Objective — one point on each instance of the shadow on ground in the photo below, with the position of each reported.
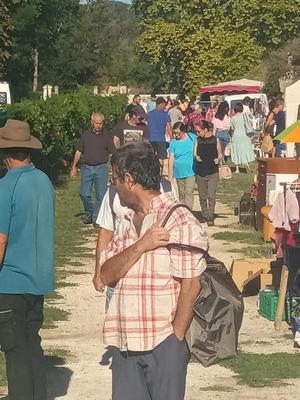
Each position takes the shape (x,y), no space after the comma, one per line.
(58,377)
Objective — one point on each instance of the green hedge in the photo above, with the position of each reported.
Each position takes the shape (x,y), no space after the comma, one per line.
(58,122)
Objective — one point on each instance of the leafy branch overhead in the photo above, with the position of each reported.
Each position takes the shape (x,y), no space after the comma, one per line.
(199,42)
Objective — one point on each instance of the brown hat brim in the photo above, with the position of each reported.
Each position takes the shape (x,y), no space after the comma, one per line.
(33,143)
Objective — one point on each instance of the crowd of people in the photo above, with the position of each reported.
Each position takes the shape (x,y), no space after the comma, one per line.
(192,140)
(150,285)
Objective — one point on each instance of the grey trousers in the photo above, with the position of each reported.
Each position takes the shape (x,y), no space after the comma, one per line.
(207,188)
(159,374)
(186,188)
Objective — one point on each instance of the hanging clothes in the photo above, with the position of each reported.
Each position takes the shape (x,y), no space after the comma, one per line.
(285,211)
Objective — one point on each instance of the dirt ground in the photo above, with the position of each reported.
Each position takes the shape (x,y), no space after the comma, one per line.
(86,374)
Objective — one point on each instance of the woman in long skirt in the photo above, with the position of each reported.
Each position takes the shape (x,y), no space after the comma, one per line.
(241,147)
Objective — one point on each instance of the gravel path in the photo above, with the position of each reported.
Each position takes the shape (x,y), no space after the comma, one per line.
(86,374)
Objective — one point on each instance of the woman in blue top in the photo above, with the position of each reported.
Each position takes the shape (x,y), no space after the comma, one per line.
(181,163)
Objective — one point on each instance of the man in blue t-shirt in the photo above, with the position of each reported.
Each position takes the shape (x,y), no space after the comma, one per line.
(159,124)
(26,261)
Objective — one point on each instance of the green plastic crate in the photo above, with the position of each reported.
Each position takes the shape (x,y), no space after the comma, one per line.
(268,301)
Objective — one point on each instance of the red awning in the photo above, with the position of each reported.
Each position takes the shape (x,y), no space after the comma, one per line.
(230,89)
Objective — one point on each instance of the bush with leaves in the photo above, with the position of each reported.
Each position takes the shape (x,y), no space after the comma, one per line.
(59,121)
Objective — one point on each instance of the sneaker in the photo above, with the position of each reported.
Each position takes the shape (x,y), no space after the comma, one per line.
(210,223)
(96,226)
(86,219)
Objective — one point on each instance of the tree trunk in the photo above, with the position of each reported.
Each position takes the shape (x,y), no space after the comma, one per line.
(36,70)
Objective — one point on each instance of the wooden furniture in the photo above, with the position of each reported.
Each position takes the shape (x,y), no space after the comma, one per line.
(274,165)
(281,299)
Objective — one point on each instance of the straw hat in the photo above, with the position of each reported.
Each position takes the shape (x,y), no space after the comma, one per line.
(17,134)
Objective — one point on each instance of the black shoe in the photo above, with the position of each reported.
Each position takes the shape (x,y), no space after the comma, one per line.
(96,226)
(86,219)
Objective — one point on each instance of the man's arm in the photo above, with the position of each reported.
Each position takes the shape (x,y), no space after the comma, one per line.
(3,243)
(117,266)
(117,142)
(190,289)
(169,130)
(104,237)
(75,162)
(171,166)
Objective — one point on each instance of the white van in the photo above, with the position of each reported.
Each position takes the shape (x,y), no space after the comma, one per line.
(259,97)
(5,97)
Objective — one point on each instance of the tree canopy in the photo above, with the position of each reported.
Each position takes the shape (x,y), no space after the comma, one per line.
(77,44)
(195,42)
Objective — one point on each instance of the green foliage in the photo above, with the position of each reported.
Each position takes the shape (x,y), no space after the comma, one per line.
(5,28)
(5,32)
(259,370)
(38,24)
(78,44)
(206,41)
(58,122)
(276,66)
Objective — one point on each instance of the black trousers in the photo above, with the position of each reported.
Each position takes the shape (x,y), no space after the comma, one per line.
(21,317)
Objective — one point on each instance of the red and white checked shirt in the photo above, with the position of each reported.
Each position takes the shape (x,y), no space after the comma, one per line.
(144,302)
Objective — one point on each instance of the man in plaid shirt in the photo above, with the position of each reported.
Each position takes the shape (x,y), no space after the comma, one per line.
(154,286)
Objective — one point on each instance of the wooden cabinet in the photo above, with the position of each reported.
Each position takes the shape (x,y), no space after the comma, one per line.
(273,166)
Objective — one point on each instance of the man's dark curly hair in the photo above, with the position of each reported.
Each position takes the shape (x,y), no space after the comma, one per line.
(140,161)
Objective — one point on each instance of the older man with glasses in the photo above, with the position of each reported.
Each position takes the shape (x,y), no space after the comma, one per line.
(155,286)
(94,147)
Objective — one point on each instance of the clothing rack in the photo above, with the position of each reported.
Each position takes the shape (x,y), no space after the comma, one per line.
(285,285)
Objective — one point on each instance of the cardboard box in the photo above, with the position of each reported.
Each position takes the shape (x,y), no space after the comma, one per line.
(242,269)
(256,282)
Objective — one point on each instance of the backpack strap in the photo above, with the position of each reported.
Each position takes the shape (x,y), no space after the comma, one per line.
(181,246)
(167,217)
(111,196)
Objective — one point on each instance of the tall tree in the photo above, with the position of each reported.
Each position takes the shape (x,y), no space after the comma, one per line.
(37,26)
(194,42)
(6,28)
(100,49)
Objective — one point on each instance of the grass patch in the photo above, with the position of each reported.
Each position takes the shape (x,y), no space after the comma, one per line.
(237,227)
(264,251)
(259,370)
(77,272)
(230,191)
(2,370)
(76,264)
(250,237)
(53,296)
(217,388)
(70,233)
(62,284)
(54,314)
(59,352)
